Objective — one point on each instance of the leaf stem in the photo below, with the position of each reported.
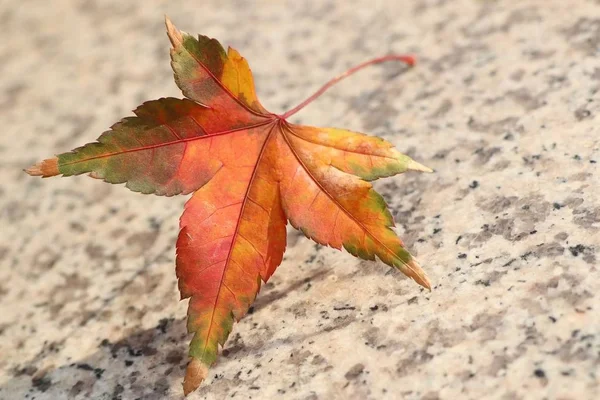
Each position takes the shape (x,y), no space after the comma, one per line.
(409,60)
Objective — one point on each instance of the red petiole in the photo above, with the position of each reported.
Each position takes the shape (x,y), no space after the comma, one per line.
(408,60)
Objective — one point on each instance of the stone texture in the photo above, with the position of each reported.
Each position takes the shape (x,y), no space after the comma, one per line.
(503,104)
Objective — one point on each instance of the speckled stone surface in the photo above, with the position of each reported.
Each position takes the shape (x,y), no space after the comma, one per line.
(503,104)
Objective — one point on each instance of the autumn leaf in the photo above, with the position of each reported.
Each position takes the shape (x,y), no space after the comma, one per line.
(250,171)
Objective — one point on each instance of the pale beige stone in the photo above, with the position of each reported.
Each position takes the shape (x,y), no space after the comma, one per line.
(503,104)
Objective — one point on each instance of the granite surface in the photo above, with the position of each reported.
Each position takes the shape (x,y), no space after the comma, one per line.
(503,104)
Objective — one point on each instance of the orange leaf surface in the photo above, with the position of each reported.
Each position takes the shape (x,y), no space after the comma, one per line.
(250,171)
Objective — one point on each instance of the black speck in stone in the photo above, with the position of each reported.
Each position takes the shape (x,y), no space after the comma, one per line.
(154,223)
(576,250)
(42,384)
(539,373)
(162,325)
(575,333)
(582,113)
(344,308)
(85,367)
(117,392)
(474,185)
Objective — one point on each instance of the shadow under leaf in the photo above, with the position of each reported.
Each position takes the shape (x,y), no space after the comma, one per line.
(148,364)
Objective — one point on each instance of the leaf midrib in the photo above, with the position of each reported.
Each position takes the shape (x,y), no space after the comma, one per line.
(235,236)
(338,148)
(154,146)
(222,86)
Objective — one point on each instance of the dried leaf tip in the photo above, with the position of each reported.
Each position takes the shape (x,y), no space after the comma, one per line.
(425,282)
(45,168)
(196,372)
(173,33)
(417,273)
(415,166)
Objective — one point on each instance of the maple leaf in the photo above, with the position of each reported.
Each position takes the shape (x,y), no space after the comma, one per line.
(250,171)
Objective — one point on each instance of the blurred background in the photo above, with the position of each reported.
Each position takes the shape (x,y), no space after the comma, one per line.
(503,104)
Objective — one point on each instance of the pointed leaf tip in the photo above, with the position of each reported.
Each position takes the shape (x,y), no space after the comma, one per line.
(415,166)
(426,283)
(173,33)
(196,373)
(418,275)
(45,168)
